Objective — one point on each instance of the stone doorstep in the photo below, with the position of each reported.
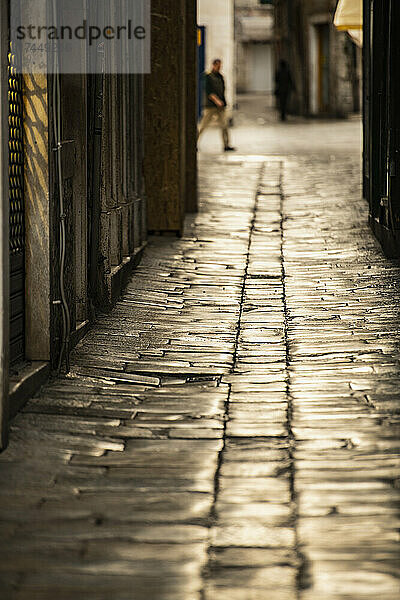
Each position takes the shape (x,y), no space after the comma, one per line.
(26,384)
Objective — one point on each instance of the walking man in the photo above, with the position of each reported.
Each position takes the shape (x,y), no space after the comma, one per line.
(215,104)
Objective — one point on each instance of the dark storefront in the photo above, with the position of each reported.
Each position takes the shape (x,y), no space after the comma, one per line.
(382,120)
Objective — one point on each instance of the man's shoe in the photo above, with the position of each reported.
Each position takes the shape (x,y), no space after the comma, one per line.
(229,149)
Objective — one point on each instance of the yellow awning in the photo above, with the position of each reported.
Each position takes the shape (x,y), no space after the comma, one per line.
(357,36)
(349,15)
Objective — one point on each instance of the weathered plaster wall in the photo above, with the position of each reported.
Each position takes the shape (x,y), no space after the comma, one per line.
(37,219)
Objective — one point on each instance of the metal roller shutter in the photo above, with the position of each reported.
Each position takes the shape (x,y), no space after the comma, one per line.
(17,229)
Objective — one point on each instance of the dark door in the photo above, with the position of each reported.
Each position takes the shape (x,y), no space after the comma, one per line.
(366,97)
(378,109)
(95,121)
(323,68)
(393,138)
(382,122)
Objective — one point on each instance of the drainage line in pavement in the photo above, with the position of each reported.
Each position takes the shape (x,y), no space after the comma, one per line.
(301,560)
(213,510)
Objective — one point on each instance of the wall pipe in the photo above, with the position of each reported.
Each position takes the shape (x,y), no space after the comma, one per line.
(56,93)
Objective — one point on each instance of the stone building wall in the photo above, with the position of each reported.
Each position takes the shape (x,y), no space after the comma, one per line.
(303,27)
(254,50)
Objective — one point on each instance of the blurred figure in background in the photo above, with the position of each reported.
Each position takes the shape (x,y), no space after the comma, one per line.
(215,103)
(284,86)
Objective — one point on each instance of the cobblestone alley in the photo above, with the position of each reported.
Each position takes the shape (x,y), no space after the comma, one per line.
(231,430)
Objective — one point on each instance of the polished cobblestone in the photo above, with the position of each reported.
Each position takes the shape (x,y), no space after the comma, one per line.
(231,429)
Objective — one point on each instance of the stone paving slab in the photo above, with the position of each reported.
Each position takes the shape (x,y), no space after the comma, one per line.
(231,429)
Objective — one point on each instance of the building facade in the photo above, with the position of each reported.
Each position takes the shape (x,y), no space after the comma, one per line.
(325,63)
(254,47)
(89,164)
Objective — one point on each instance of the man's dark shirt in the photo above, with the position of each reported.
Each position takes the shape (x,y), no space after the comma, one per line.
(215,84)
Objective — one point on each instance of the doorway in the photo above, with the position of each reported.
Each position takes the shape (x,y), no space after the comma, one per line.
(260,68)
(323,67)
(319,68)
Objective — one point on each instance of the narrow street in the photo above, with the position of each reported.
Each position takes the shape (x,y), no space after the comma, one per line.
(231,430)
